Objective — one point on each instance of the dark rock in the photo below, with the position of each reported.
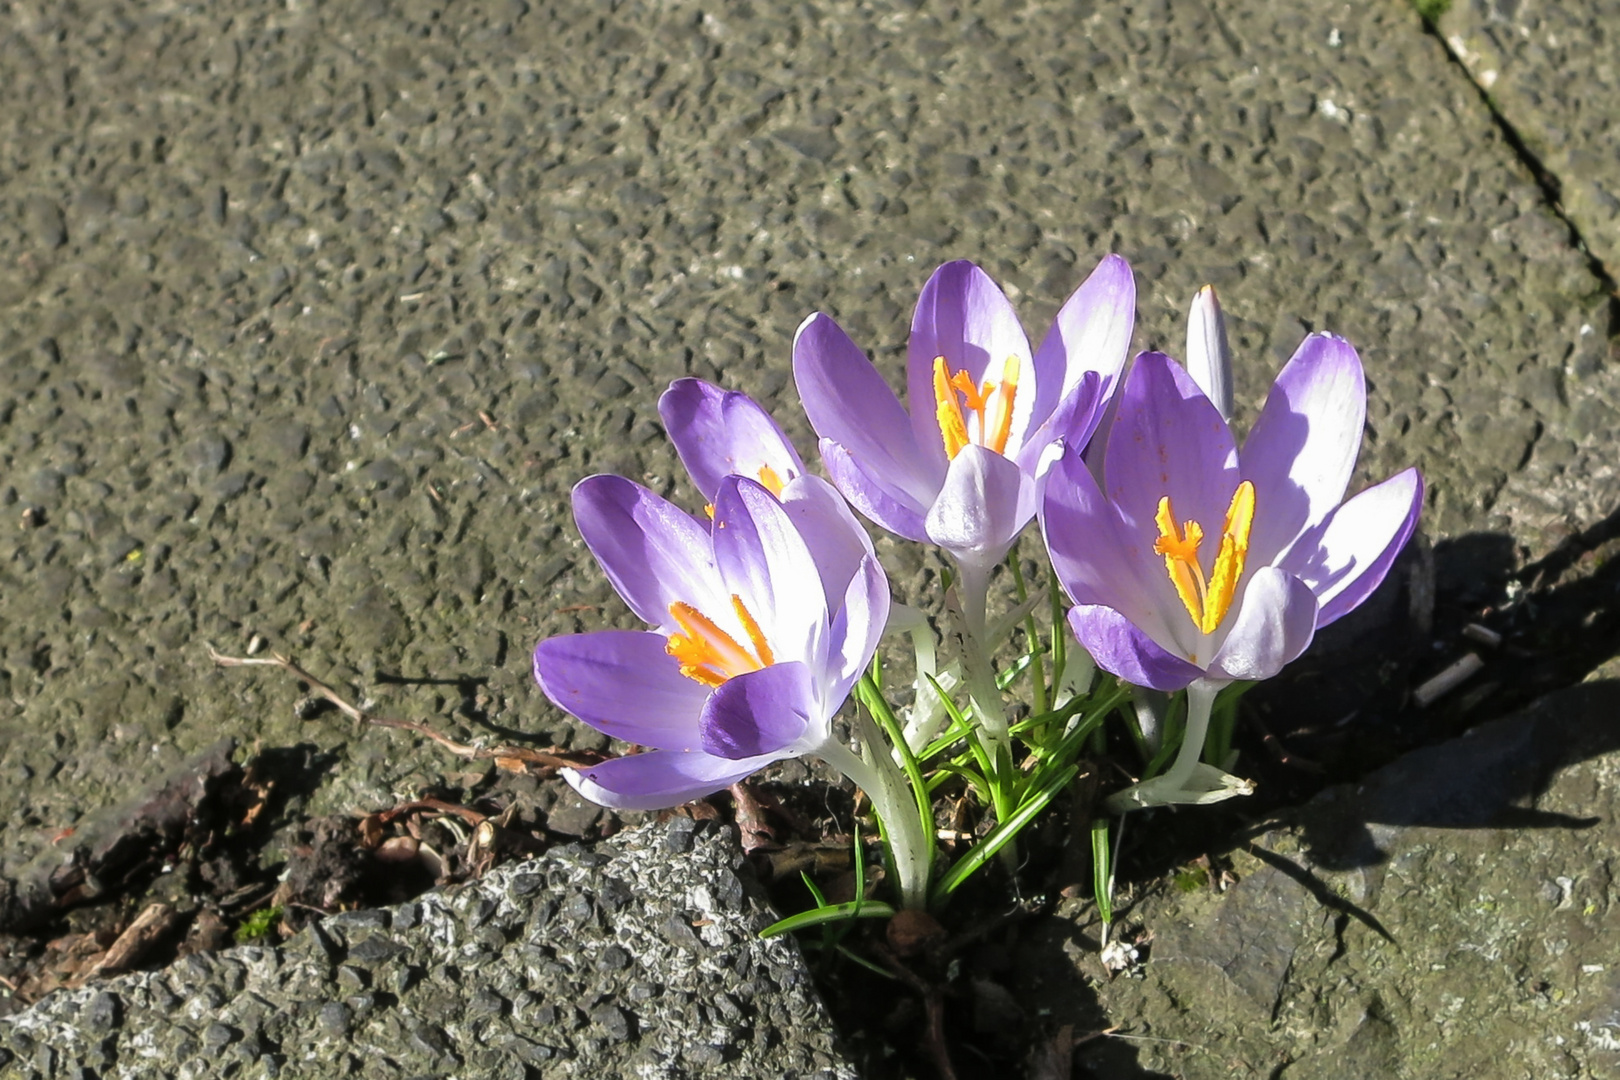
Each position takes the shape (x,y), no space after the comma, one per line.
(613,1021)
(335,1017)
(103,1012)
(453,997)
(678,834)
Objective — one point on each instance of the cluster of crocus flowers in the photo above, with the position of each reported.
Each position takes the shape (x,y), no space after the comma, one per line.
(748,656)
(1190,562)
(960,466)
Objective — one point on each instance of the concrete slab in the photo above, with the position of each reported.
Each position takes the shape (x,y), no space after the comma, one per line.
(313,314)
(1553,70)
(317,312)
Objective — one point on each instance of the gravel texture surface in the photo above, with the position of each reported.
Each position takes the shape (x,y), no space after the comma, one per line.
(640,958)
(1450,916)
(318,311)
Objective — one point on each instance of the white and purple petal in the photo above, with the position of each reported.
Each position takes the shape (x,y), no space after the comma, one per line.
(652,551)
(1167,439)
(1347,558)
(848,402)
(836,540)
(985,503)
(765,562)
(857,627)
(879,502)
(964,316)
(1073,422)
(1122,649)
(622,683)
(1091,333)
(1209,355)
(759,713)
(1302,449)
(661,778)
(1099,561)
(721,432)
(1274,622)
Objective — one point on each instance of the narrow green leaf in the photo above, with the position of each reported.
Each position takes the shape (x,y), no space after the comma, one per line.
(821,901)
(879,708)
(952,735)
(1102,871)
(851,954)
(1032,642)
(1008,675)
(1000,836)
(851,909)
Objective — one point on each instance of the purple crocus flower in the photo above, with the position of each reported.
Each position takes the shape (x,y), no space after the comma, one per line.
(1159,606)
(1196,563)
(958,468)
(753,645)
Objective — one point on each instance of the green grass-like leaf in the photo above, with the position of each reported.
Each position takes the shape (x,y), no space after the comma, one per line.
(821,916)
(1000,836)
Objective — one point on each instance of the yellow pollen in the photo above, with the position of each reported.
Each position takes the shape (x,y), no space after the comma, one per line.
(991,403)
(709,655)
(1206,600)
(768,477)
(952,426)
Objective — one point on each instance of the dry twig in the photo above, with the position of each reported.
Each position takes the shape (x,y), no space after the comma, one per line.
(151,926)
(511,758)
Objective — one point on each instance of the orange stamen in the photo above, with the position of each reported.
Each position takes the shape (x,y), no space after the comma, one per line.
(992,404)
(952,425)
(756,637)
(1232,557)
(1206,600)
(998,422)
(976,396)
(709,655)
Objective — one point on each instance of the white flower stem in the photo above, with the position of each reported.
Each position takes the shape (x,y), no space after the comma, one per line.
(1188,780)
(926,714)
(973,592)
(875,772)
(1200,701)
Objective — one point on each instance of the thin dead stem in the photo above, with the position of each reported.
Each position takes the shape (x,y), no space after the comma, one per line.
(511,758)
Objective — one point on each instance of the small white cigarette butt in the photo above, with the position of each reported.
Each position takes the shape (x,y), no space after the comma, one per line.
(1482,634)
(1447,681)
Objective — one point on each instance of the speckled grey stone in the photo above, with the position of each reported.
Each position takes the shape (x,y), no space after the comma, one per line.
(1553,70)
(609,998)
